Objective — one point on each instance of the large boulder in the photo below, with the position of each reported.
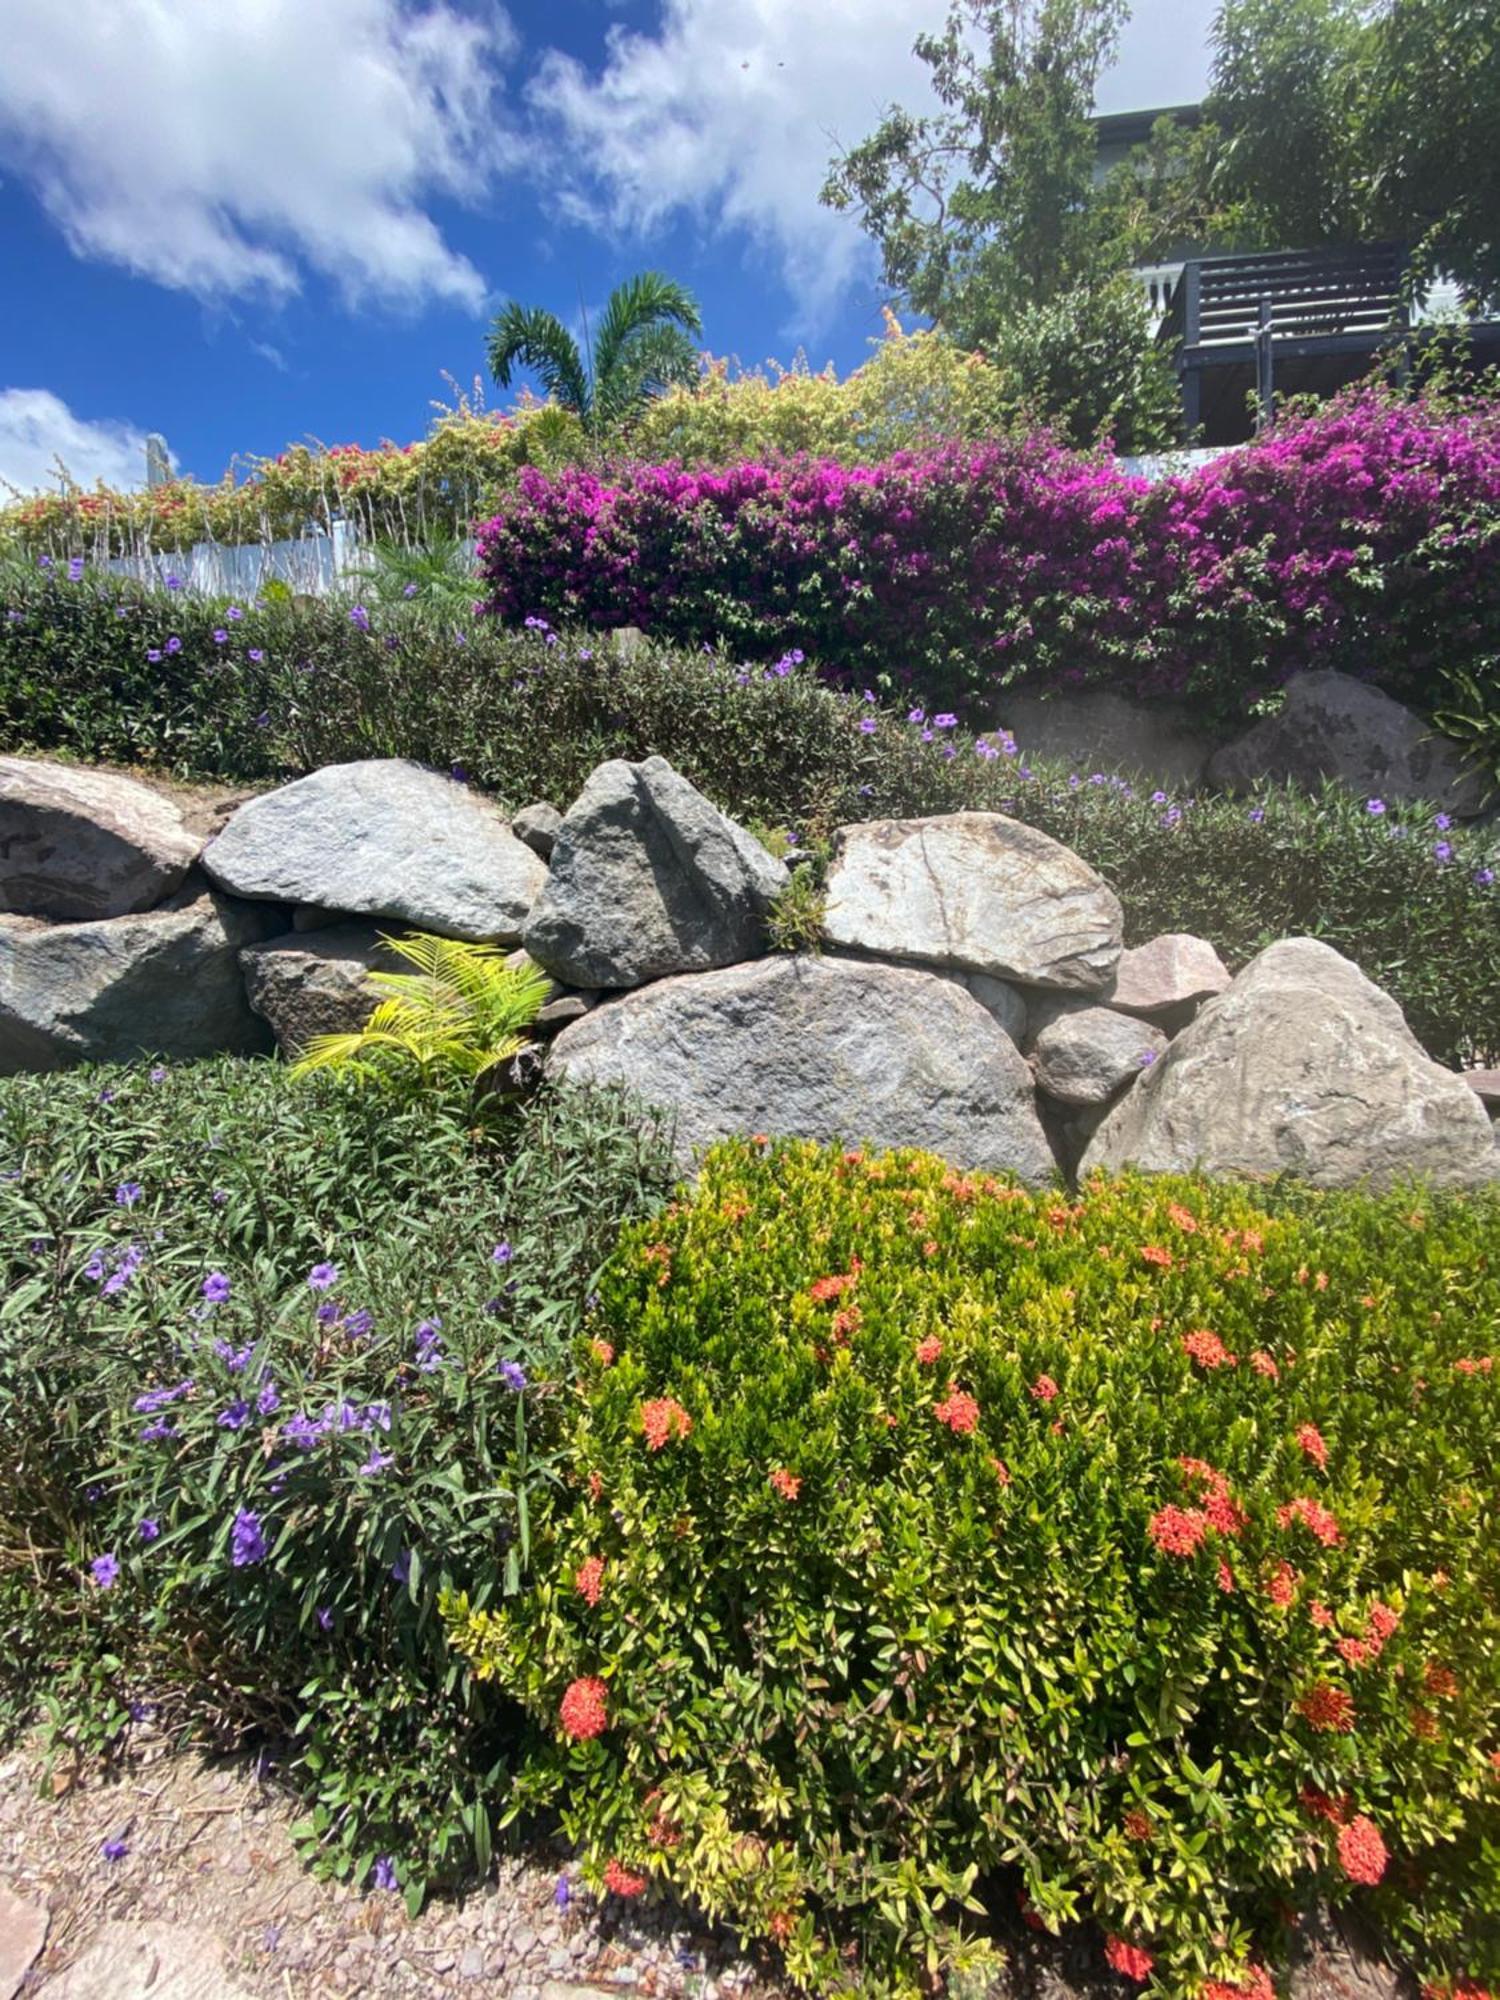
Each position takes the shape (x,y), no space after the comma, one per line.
(1095,730)
(819,1048)
(76,845)
(1090,1054)
(973,892)
(1332,726)
(308,983)
(165,982)
(382,838)
(1301,1067)
(1166,975)
(648,879)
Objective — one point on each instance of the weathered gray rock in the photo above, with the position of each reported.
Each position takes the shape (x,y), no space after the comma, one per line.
(973,892)
(165,982)
(76,845)
(1302,1067)
(308,983)
(649,879)
(568,1006)
(1166,974)
(1485,1084)
(382,838)
(1094,730)
(149,1961)
(819,1048)
(1004,1002)
(23,1932)
(537,825)
(1332,726)
(1090,1054)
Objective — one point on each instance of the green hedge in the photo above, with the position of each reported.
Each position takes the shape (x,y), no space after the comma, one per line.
(930,1549)
(528,715)
(266,1391)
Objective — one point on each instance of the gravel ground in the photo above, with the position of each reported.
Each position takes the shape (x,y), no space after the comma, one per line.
(209,1858)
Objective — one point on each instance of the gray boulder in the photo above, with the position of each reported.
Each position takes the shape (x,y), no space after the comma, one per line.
(1006,1004)
(649,879)
(1095,730)
(76,845)
(1166,975)
(819,1048)
(1090,1054)
(165,982)
(537,825)
(1485,1084)
(973,892)
(308,983)
(382,838)
(1332,726)
(1301,1067)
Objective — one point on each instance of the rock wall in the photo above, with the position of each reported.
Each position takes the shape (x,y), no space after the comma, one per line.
(974,998)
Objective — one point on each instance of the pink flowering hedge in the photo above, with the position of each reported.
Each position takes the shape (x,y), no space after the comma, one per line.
(1365,538)
(934,1557)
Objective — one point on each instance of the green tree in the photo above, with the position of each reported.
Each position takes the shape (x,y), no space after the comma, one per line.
(643,345)
(984,207)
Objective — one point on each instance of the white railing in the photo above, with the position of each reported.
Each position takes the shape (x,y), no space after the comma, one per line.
(1158,282)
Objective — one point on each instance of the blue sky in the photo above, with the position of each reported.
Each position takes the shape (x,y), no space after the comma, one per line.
(246,222)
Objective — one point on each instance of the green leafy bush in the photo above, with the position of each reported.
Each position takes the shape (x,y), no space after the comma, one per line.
(275,1362)
(928,1544)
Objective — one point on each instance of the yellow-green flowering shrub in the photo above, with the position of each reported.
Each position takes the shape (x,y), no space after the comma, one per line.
(933,1552)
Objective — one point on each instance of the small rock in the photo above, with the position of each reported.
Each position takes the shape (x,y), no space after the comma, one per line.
(1166,974)
(158,1961)
(471,1963)
(1485,1084)
(567,1007)
(315,983)
(23,1932)
(1091,1054)
(537,825)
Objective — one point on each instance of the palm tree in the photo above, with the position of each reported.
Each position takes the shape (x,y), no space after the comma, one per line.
(644,346)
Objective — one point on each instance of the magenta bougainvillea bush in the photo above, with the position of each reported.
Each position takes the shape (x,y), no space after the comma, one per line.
(1365,537)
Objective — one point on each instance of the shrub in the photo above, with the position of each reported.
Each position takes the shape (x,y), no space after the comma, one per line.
(926,1545)
(275,1360)
(1365,536)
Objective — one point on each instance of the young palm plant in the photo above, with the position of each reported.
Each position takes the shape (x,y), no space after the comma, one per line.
(462,1011)
(644,346)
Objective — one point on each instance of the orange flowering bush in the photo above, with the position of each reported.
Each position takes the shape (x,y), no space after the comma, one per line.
(1151,1592)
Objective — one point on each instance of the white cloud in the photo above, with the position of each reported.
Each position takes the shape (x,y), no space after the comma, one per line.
(37,429)
(222,146)
(730,114)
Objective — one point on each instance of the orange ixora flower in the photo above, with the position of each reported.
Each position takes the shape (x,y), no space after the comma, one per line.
(787,1484)
(1310,1438)
(1362,1852)
(1178,1531)
(929,1349)
(1131,1959)
(958,1410)
(588,1579)
(662,1420)
(1137,1824)
(1152,1253)
(821,1290)
(1262,1363)
(1327,1708)
(1206,1349)
(779,1924)
(1282,1587)
(1256,1985)
(602,1352)
(1044,1389)
(1001,1470)
(1382,1623)
(1439,1680)
(1317,1520)
(1317,1805)
(620,1881)
(596,1486)
(1183,1218)
(585,1708)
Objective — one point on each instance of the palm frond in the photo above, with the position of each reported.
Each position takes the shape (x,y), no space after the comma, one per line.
(647,300)
(652,360)
(529,337)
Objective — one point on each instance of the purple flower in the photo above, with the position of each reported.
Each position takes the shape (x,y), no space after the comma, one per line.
(153,654)
(268,1402)
(157,1399)
(221,637)
(172,582)
(358,1324)
(383,1874)
(235,1359)
(501,1254)
(235,1417)
(75,569)
(174,644)
(148,1530)
(410,590)
(1442,822)
(1484,877)
(1375,807)
(377,1462)
(234,614)
(401,1567)
(1146,1058)
(458,774)
(303,1430)
(216,1288)
(219,1197)
(127,1194)
(562,1895)
(323,1276)
(325,1617)
(159,1074)
(1442,850)
(114,1849)
(1257,814)
(360,618)
(159,1431)
(868,726)
(513,1375)
(917,715)
(945,722)
(247,1542)
(255,653)
(104,1570)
